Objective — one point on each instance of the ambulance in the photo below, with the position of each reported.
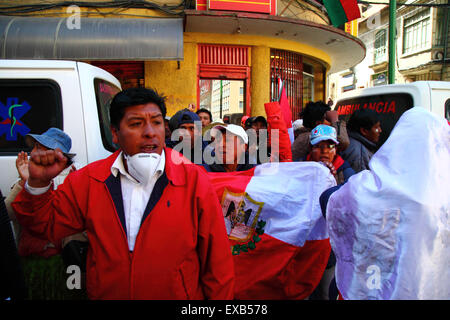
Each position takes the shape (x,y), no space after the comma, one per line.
(38,94)
(391,101)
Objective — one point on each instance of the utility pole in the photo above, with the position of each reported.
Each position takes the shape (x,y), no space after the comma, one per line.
(392,46)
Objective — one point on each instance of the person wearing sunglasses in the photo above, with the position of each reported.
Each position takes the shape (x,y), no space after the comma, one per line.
(323,146)
(323,140)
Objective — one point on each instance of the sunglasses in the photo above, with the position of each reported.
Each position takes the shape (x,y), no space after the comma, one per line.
(330,146)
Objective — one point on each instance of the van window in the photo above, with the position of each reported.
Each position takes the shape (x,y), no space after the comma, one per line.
(389,106)
(104,93)
(447,109)
(27,106)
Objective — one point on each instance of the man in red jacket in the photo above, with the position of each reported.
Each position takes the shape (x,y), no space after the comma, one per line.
(155,228)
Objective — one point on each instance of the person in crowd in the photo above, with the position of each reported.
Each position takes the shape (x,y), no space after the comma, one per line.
(330,102)
(43,264)
(12,282)
(316,113)
(390,218)
(205,116)
(243,120)
(259,125)
(248,123)
(190,143)
(168,132)
(155,228)
(323,140)
(230,149)
(364,128)
(297,126)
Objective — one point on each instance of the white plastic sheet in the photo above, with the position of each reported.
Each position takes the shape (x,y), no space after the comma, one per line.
(389,227)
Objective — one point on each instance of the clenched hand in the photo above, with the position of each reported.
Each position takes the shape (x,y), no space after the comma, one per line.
(44,166)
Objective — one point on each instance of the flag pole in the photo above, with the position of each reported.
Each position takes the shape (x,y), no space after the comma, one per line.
(392,47)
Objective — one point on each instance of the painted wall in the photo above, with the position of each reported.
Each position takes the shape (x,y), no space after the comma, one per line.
(179,84)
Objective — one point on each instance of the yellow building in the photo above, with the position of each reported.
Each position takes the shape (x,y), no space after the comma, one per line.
(173,47)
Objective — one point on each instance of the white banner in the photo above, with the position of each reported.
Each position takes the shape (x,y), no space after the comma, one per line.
(389,227)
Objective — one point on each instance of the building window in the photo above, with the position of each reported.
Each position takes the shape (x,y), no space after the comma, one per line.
(308,87)
(289,67)
(380,47)
(348,88)
(440,34)
(416,32)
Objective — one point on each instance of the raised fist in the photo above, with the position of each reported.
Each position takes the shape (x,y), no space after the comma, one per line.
(44,165)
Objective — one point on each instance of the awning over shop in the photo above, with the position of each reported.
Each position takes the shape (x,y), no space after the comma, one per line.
(91,39)
(344,50)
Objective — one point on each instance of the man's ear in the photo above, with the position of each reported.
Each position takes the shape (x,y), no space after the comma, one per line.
(114,134)
(364,132)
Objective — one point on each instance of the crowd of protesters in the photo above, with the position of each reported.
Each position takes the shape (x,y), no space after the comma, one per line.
(196,246)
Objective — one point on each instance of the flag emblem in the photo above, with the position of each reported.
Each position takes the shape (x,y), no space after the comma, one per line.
(241,214)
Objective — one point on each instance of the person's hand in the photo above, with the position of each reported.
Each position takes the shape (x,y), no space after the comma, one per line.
(22,166)
(332,116)
(191,107)
(44,166)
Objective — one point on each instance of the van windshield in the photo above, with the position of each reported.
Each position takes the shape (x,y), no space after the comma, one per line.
(389,106)
(104,93)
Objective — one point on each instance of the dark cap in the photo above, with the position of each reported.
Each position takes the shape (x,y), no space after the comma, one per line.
(181,117)
(249,121)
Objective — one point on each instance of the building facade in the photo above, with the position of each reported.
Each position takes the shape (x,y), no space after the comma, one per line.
(177,47)
(422,46)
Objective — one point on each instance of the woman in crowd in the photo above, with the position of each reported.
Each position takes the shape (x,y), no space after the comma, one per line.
(323,140)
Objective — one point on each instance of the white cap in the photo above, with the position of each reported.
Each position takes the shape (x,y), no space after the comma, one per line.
(297,124)
(234,129)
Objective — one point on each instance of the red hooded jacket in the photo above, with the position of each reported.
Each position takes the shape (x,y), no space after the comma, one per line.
(181,250)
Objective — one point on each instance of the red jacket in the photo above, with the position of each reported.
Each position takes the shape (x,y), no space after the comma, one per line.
(181,251)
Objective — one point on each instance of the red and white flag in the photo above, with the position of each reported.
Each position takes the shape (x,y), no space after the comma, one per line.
(277,233)
(286,109)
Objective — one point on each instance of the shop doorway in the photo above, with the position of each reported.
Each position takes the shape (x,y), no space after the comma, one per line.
(224,81)
(223,98)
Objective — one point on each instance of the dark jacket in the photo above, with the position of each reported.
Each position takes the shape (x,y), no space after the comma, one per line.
(358,152)
(12,283)
(220,168)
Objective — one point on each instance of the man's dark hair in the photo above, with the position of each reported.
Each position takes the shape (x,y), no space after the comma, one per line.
(133,97)
(205,111)
(260,119)
(362,118)
(313,112)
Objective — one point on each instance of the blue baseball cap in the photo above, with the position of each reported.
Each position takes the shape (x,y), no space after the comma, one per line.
(322,133)
(53,138)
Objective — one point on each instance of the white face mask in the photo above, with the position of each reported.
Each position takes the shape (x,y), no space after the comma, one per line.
(142,166)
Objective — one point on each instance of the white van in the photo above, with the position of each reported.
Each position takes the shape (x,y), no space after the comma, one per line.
(390,101)
(38,94)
